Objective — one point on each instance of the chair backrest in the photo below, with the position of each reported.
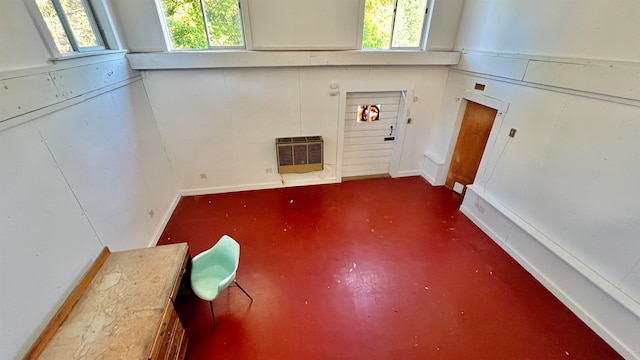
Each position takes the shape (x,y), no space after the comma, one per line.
(226,253)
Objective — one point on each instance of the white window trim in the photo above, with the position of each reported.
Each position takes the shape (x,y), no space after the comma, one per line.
(246,24)
(75,55)
(166,35)
(423,34)
(103,16)
(361,24)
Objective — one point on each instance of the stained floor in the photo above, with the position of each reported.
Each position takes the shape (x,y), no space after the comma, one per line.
(368,269)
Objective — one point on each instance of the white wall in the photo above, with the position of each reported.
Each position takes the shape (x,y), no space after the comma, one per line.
(73,181)
(442,24)
(223,122)
(21,45)
(568,171)
(564,188)
(590,29)
(82,164)
(139,25)
(560,196)
(305,24)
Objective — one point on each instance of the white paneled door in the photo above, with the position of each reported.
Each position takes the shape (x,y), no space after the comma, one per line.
(368,145)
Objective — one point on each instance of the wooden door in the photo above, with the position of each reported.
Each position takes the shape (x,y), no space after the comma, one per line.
(368,145)
(472,139)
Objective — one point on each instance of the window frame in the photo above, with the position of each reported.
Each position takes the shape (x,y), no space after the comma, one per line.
(423,31)
(100,19)
(244,25)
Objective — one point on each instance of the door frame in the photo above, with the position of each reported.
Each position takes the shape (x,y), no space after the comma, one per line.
(406,91)
(463,98)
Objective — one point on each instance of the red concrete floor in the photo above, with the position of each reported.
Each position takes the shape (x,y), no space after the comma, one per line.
(369,269)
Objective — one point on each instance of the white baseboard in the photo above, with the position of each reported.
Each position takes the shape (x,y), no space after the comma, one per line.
(165,221)
(258,186)
(408,173)
(611,313)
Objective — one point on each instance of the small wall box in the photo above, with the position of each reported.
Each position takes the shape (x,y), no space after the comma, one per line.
(300,154)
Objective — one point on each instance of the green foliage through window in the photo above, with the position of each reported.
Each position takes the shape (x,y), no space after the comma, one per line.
(186,23)
(71,25)
(393,24)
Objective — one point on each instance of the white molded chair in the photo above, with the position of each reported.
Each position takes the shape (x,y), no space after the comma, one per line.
(215,269)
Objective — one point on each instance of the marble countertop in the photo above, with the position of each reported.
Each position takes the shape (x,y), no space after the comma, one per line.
(119,314)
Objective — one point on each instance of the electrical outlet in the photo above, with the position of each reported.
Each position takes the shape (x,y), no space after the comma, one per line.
(512,132)
(269,170)
(151,213)
(203,176)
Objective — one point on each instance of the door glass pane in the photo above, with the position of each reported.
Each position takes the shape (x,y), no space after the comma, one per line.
(55,26)
(185,23)
(378,19)
(367,113)
(410,16)
(224,23)
(81,26)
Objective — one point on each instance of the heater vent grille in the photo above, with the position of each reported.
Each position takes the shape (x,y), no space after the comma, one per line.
(299,154)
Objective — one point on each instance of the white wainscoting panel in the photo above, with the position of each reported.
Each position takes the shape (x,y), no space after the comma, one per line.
(432,168)
(613,80)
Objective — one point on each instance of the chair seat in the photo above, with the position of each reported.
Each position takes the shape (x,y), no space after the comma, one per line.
(206,283)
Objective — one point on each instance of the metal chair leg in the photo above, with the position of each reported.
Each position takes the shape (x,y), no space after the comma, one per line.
(238,285)
(212,315)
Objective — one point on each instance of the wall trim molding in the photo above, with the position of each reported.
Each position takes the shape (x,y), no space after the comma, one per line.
(605,80)
(407,173)
(21,119)
(610,312)
(67,63)
(243,58)
(52,89)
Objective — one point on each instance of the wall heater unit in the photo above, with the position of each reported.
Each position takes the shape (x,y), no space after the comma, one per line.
(300,154)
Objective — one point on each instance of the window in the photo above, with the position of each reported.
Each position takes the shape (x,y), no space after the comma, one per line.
(72,25)
(393,24)
(204,24)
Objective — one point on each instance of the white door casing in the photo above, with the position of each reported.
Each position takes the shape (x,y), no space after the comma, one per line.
(348,142)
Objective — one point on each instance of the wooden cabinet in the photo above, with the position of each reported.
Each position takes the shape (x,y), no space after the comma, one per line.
(122,309)
(171,341)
